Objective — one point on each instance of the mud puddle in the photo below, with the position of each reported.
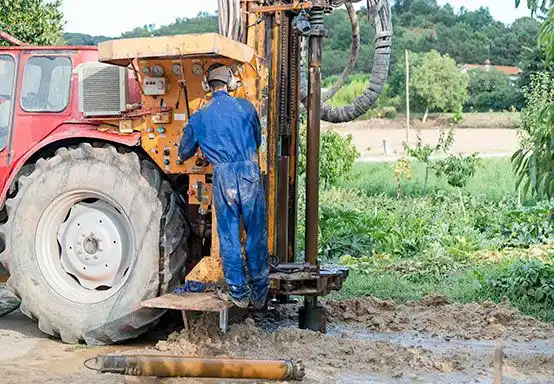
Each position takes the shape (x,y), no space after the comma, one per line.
(368,341)
(433,342)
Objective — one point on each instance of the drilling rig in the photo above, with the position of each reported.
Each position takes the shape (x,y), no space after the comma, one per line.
(99,214)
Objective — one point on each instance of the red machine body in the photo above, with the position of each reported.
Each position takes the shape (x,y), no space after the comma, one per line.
(31,132)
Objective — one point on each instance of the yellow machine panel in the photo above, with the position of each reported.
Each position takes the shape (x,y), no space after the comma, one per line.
(171,72)
(174,89)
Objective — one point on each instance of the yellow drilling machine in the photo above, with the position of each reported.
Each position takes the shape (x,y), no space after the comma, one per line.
(101,220)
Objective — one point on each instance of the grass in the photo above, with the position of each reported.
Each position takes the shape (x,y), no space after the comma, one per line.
(493,181)
(404,249)
(461,288)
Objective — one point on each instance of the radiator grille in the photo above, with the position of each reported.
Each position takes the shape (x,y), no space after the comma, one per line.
(102,89)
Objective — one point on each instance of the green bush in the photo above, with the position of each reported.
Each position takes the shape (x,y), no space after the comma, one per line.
(526,226)
(385,107)
(492,91)
(457,170)
(534,161)
(336,159)
(529,281)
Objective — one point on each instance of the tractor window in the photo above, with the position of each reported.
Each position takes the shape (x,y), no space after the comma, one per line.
(7,71)
(46,84)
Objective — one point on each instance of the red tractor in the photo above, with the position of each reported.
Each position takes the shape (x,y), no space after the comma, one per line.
(67,230)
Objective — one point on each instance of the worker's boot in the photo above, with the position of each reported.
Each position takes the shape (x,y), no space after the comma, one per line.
(260,305)
(226,296)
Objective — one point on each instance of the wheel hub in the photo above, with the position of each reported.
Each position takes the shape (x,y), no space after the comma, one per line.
(91,244)
(92,240)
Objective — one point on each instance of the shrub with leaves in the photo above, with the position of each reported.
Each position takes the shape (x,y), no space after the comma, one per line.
(526,226)
(458,170)
(530,281)
(423,152)
(534,161)
(32,21)
(336,157)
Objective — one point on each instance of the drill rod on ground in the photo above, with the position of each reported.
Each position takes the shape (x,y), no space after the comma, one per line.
(178,366)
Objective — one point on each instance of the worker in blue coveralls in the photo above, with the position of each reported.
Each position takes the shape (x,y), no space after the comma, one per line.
(228,132)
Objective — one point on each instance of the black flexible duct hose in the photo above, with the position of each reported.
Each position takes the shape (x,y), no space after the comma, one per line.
(380,11)
(354,53)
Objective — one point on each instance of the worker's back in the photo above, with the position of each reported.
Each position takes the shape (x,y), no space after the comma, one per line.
(227,129)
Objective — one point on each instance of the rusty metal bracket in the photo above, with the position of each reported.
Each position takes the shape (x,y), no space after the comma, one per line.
(296,6)
(302,279)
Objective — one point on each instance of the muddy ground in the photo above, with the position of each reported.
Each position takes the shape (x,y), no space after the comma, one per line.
(368,341)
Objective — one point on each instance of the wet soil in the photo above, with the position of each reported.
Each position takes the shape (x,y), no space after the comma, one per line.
(368,341)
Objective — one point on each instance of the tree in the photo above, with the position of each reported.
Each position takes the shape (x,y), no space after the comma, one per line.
(438,83)
(33,21)
(535,165)
(492,91)
(83,39)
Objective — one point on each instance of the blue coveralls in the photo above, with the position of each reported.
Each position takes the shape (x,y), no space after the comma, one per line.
(229,133)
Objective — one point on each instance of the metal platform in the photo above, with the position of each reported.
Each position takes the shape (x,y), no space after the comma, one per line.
(193,302)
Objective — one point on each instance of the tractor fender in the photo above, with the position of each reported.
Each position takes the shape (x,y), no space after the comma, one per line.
(64,133)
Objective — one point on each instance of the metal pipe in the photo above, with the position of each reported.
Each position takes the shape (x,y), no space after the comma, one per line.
(178,366)
(283,210)
(313,136)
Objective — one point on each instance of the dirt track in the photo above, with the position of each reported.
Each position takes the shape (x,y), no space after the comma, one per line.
(368,136)
(368,341)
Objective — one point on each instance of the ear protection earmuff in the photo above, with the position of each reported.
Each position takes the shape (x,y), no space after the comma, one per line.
(205,84)
(233,85)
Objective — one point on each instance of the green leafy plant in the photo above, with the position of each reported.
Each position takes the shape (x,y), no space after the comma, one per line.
(530,281)
(526,226)
(402,171)
(336,159)
(423,152)
(534,161)
(32,21)
(458,114)
(457,170)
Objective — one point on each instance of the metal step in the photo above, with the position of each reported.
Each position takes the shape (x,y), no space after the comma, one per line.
(193,302)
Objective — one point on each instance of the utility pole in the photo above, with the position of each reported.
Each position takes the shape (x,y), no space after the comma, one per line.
(407,97)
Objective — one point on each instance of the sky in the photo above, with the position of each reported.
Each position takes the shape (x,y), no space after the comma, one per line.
(113,17)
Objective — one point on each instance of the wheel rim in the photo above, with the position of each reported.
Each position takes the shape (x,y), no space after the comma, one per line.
(85,246)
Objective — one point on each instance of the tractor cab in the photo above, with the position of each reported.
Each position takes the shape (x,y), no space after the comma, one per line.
(38,94)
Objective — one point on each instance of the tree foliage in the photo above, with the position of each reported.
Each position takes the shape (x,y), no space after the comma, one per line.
(32,21)
(437,82)
(83,39)
(534,162)
(337,156)
(492,91)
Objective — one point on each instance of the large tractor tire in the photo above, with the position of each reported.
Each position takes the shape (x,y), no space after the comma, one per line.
(91,233)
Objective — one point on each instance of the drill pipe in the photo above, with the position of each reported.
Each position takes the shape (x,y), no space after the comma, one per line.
(178,366)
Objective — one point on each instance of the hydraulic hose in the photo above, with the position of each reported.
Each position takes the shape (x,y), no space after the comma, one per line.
(354,53)
(199,367)
(230,25)
(230,19)
(381,12)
